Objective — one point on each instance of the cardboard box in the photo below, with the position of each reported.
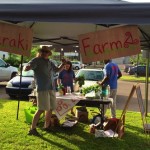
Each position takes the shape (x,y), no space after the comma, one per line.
(82,115)
(54,121)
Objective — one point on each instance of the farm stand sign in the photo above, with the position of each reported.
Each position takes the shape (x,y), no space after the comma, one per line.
(110,43)
(15,39)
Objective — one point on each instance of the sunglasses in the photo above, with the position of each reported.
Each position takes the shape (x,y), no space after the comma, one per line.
(43,51)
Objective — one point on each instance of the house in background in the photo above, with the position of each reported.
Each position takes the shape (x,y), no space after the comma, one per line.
(122,60)
(3,55)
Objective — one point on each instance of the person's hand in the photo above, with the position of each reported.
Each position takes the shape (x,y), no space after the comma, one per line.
(99,83)
(27,68)
(63,61)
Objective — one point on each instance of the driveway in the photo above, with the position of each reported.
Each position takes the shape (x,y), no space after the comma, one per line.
(124,89)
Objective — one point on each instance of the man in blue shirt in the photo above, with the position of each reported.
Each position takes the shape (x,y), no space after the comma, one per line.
(112,74)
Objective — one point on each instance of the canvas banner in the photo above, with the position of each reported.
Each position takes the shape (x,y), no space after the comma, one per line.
(15,39)
(63,106)
(108,44)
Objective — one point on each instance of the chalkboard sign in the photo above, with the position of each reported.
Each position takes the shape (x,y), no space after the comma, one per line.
(140,100)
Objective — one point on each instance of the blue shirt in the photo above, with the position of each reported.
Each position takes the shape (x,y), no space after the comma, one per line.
(67,78)
(44,71)
(111,71)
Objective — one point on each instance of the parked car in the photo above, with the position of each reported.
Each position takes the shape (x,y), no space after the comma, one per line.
(7,72)
(76,65)
(13,86)
(27,85)
(127,67)
(91,76)
(139,70)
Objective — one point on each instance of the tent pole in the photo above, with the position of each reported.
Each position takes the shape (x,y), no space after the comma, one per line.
(20,87)
(147,83)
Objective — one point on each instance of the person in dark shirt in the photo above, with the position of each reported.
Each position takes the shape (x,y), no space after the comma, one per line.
(66,78)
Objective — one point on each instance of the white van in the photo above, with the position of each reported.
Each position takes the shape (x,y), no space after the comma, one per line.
(6,71)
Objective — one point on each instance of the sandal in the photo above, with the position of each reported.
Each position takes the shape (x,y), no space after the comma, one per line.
(34,132)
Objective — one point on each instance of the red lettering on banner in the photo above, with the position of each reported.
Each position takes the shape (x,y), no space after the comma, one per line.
(59,108)
(117,45)
(104,45)
(20,40)
(19,43)
(100,48)
(96,49)
(129,40)
(65,106)
(60,102)
(84,45)
(12,43)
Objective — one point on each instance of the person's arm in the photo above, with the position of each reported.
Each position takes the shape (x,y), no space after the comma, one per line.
(59,78)
(31,65)
(74,79)
(119,74)
(58,81)
(103,81)
(106,78)
(27,68)
(61,67)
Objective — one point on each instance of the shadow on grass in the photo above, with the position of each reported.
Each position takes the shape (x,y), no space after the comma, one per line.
(54,143)
(79,137)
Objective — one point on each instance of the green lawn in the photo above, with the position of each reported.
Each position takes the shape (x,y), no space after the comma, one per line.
(133,78)
(14,133)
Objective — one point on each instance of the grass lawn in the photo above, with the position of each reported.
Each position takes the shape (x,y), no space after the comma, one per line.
(133,78)
(13,133)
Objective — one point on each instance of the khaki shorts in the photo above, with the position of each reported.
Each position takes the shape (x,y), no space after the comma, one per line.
(46,100)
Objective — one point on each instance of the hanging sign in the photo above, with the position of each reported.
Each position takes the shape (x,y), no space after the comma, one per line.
(110,43)
(63,107)
(15,39)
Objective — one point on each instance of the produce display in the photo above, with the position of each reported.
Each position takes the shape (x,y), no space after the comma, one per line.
(93,91)
(91,88)
(80,80)
(61,89)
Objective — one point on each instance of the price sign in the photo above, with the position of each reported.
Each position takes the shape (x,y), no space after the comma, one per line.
(63,106)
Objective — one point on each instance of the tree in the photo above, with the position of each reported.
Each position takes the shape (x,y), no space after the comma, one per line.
(15,59)
(138,59)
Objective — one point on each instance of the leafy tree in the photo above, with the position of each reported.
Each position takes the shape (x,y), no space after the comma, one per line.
(138,59)
(15,59)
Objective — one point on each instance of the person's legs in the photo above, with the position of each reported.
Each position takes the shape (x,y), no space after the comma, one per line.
(44,104)
(48,115)
(52,105)
(52,99)
(36,119)
(113,93)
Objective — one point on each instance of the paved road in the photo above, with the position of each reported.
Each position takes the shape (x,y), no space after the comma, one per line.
(124,89)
